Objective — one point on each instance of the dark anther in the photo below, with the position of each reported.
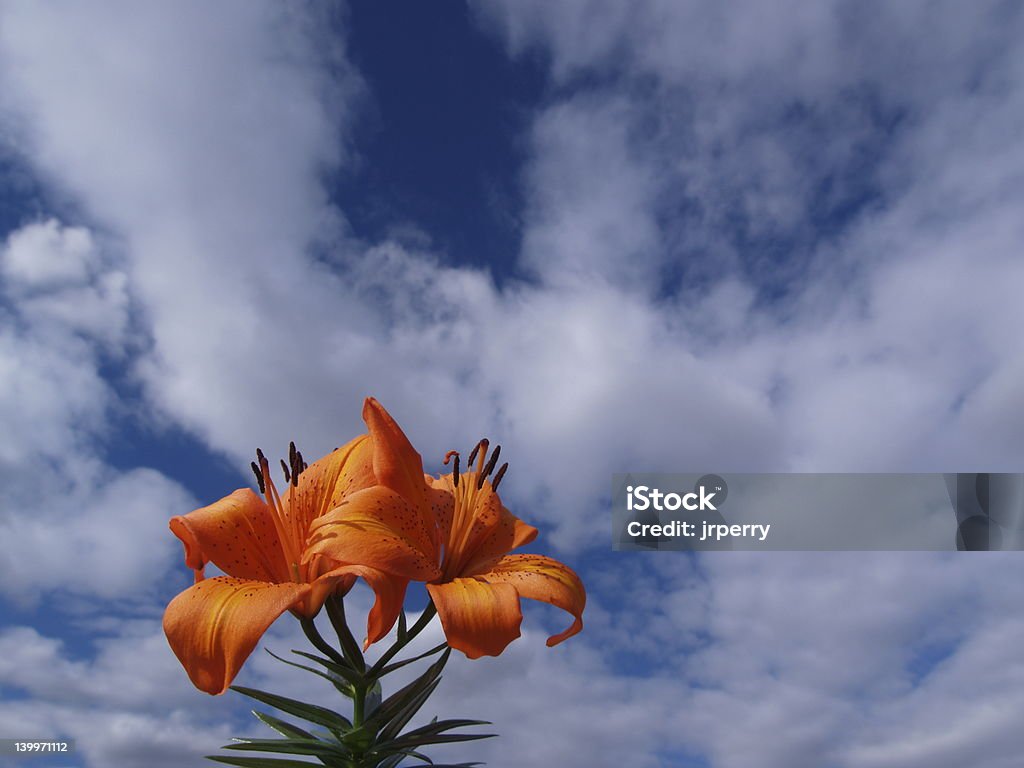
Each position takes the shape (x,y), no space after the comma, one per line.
(287,474)
(497,477)
(455,473)
(472,454)
(261,458)
(298,468)
(259,476)
(493,460)
(487,468)
(291,453)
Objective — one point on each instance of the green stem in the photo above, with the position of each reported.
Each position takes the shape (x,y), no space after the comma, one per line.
(428,613)
(358,706)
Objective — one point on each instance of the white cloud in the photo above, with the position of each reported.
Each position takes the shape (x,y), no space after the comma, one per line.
(82,529)
(45,253)
(129,706)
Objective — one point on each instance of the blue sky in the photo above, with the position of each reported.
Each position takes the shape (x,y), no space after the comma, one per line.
(613,237)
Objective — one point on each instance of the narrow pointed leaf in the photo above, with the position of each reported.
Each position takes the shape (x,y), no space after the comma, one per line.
(355,678)
(349,646)
(442,738)
(285,729)
(399,664)
(373,698)
(441,726)
(398,700)
(403,627)
(260,762)
(291,747)
(310,712)
(341,686)
(413,754)
(407,713)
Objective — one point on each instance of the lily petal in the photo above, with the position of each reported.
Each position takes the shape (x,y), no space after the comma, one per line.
(325,482)
(442,502)
(237,534)
(479,619)
(396,463)
(390,595)
(379,528)
(214,625)
(545,579)
(492,532)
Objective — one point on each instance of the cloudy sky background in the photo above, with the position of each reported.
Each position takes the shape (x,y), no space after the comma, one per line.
(656,236)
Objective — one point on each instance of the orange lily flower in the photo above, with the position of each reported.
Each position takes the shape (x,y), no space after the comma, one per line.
(479,585)
(214,625)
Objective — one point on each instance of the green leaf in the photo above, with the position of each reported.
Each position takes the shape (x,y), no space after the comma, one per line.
(444,738)
(397,701)
(413,754)
(373,698)
(285,729)
(310,712)
(260,762)
(355,678)
(399,664)
(403,628)
(292,747)
(440,726)
(333,680)
(408,712)
(353,653)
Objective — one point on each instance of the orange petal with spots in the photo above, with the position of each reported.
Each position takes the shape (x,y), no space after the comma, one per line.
(237,534)
(489,532)
(442,502)
(213,626)
(545,579)
(396,464)
(379,528)
(479,619)
(326,482)
(390,594)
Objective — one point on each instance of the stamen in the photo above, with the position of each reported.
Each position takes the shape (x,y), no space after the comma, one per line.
(287,474)
(259,476)
(487,469)
(497,477)
(291,453)
(284,525)
(472,454)
(299,468)
(455,473)
(493,461)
